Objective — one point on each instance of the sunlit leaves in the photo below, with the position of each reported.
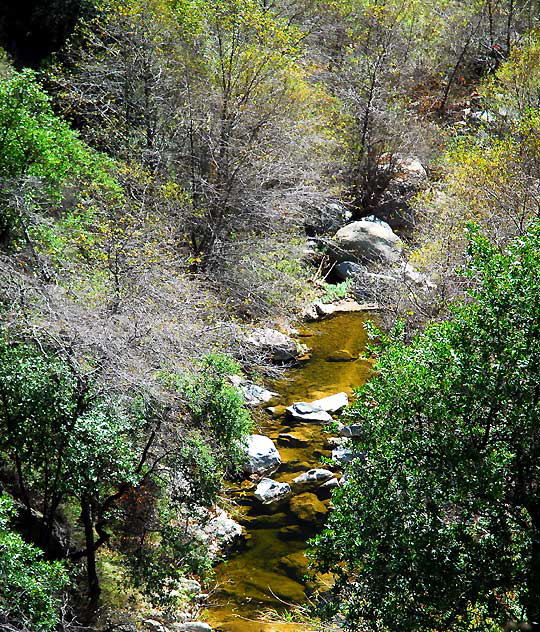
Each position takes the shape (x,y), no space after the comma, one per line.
(435,528)
(30,587)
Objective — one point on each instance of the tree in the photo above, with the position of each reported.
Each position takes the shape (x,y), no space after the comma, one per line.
(65,443)
(30,587)
(382,60)
(218,410)
(41,158)
(491,177)
(166,543)
(438,526)
(213,98)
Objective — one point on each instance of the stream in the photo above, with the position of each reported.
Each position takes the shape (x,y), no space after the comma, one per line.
(269,572)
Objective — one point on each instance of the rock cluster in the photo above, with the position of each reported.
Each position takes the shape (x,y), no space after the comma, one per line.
(319,410)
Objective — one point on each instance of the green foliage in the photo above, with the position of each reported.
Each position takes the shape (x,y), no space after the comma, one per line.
(334,292)
(179,550)
(209,448)
(30,587)
(515,87)
(5,66)
(67,441)
(439,526)
(241,33)
(36,143)
(218,412)
(43,163)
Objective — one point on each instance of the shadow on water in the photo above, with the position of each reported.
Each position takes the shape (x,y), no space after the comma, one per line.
(269,573)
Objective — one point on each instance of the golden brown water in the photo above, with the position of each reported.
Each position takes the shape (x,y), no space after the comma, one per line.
(269,573)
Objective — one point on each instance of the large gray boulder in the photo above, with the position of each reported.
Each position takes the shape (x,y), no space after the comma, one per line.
(367,242)
(280,347)
(270,492)
(319,410)
(302,411)
(332,403)
(263,456)
(311,479)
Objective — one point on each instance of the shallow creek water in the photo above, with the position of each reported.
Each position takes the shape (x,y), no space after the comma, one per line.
(268,573)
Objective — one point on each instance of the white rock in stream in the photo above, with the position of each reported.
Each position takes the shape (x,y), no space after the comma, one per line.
(221,533)
(253,393)
(332,403)
(311,479)
(263,457)
(302,411)
(271,492)
(194,626)
(331,484)
(282,348)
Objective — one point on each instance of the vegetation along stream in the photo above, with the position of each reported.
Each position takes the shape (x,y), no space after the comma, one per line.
(270,572)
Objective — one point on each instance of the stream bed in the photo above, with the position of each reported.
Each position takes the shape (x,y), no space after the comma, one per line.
(269,572)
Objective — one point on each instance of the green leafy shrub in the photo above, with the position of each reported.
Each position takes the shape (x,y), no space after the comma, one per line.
(438,526)
(43,162)
(30,587)
(217,410)
(336,292)
(35,142)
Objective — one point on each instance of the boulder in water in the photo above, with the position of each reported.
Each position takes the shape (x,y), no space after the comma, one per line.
(270,492)
(325,490)
(302,411)
(263,457)
(332,403)
(308,508)
(311,479)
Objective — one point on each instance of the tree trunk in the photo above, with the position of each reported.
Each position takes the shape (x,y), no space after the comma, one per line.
(94,589)
(532,604)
